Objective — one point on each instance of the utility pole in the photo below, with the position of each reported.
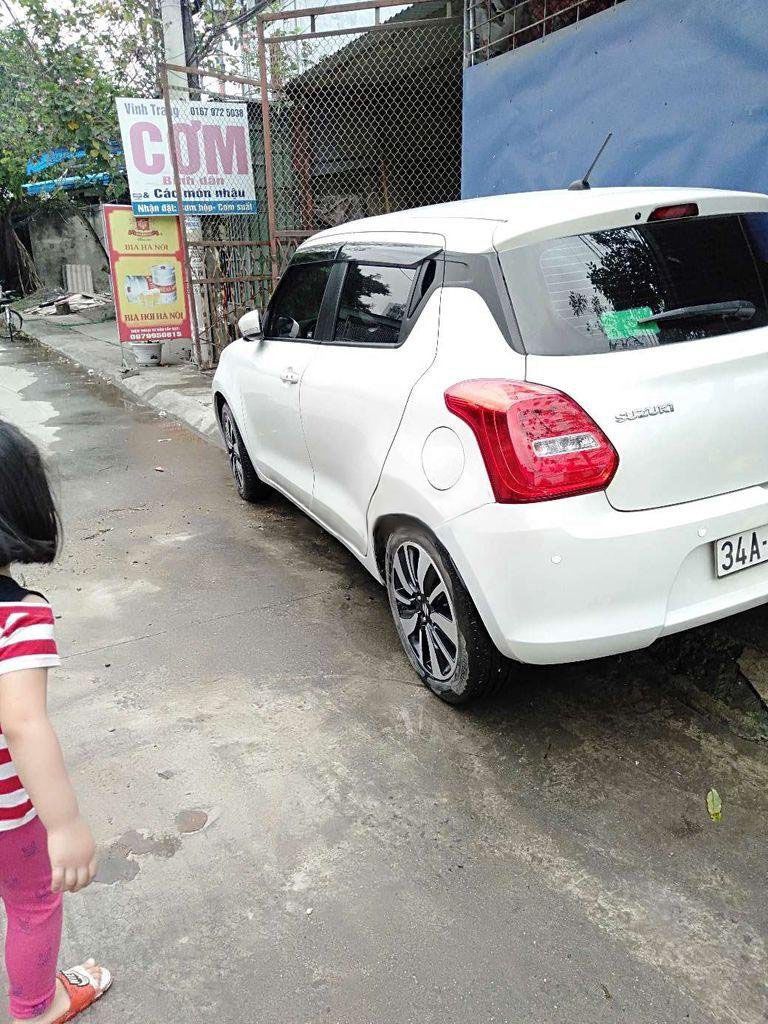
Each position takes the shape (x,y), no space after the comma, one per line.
(179,45)
(173,40)
(179,41)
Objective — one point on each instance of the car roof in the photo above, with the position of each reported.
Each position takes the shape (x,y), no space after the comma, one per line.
(508,221)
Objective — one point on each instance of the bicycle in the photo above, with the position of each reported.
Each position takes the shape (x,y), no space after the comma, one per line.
(10,321)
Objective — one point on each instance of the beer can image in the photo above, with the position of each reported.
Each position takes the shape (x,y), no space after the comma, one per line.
(164,280)
(136,287)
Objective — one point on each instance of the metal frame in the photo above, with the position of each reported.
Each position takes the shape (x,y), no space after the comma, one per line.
(282,239)
(286,153)
(205,288)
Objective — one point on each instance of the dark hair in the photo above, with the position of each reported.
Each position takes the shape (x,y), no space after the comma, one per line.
(29,523)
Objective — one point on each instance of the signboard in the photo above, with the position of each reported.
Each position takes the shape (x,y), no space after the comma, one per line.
(213,152)
(145,260)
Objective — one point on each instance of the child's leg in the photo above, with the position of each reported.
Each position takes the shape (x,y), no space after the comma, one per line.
(34,919)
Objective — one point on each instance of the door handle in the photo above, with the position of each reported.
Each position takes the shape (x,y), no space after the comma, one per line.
(289,376)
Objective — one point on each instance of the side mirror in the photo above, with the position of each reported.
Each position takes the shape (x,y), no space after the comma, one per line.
(249,325)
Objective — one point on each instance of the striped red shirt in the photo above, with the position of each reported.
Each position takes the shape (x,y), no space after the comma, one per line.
(26,641)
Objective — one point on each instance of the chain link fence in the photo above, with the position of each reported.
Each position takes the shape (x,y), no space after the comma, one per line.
(493,27)
(363,120)
(352,110)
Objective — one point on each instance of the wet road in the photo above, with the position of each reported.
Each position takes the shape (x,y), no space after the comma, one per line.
(369,854)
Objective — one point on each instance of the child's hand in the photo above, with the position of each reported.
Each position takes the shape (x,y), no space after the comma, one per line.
(72,852)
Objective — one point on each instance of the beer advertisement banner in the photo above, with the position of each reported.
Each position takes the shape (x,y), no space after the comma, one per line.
(148,284)
(213,151)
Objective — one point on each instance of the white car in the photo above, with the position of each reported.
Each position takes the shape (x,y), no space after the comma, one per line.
(541,420)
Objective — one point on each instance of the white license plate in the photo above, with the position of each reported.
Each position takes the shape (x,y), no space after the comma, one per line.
(741,551)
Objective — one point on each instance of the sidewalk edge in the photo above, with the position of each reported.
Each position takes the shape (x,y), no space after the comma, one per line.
(143,389)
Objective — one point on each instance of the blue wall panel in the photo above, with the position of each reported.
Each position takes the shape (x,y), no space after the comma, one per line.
(683,85)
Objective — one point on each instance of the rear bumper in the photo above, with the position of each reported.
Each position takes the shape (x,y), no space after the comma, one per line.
(574,579)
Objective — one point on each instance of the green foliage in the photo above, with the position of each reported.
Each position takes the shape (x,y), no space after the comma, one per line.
(63,63)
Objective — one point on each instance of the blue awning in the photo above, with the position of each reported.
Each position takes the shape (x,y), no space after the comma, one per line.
(51,158)
(36,188)
(59,156)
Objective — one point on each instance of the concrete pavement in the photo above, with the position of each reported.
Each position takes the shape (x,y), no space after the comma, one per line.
(294,830)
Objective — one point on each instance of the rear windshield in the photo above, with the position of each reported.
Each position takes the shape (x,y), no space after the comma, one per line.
(590,293)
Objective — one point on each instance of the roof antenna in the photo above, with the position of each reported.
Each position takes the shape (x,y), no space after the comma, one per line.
(580,184)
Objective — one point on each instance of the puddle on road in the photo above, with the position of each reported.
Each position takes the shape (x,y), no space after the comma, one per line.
(27,364)
(33,416)
(118,863)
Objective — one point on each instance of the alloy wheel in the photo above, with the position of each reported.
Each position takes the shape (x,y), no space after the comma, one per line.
(425,610)
(232,442)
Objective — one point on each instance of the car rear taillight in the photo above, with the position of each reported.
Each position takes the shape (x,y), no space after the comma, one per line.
(674,212)
(537,443)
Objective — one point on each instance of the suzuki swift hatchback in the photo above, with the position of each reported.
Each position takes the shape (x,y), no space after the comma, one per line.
(538,419)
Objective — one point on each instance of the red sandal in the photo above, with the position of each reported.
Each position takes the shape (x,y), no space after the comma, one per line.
(82,988)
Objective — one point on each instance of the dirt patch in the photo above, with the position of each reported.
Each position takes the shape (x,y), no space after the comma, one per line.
(717,674)
(193,820)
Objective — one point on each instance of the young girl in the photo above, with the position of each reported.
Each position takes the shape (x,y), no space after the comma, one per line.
(45,846)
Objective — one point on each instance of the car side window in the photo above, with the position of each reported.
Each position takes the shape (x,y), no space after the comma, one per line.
(373,304)
(295,306)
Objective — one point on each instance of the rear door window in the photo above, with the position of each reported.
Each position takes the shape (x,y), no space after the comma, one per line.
(590,293)
(295,306)
(373,304)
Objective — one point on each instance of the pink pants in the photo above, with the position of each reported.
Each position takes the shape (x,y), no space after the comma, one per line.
(34,918)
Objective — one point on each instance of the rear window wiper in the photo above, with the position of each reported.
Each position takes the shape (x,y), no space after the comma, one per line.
(739,309)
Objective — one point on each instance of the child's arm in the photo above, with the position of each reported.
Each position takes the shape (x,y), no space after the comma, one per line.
(37,755)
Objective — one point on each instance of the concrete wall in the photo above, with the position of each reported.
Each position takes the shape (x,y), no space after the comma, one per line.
(681,83)
(59,238)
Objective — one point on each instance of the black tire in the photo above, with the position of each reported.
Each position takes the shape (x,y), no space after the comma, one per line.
(247,482)
(424,600)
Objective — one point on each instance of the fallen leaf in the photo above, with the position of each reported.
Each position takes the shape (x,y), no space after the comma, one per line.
(714,805)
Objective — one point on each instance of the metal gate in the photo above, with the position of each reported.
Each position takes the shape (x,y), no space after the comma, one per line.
(360,120)
(227,257)
(351,114)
